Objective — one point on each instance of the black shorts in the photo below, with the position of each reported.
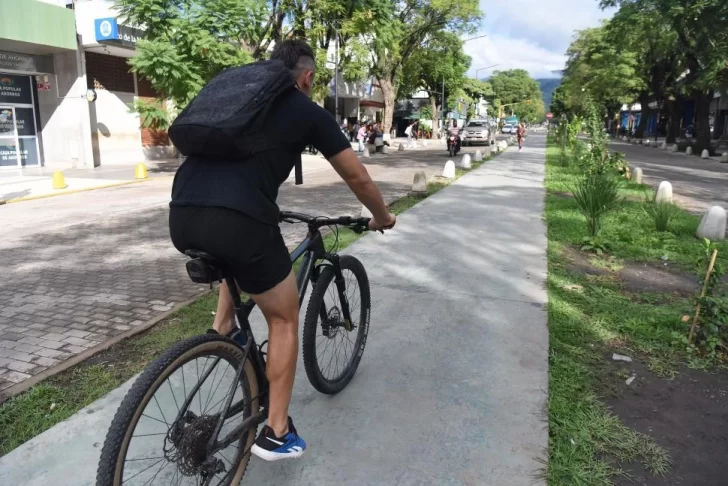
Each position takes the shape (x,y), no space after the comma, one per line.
(254,252)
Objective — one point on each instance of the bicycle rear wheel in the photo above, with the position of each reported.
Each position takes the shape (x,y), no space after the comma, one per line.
(161,430)
(331,352)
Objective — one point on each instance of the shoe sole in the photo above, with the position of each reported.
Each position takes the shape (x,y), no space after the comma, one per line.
(271,456)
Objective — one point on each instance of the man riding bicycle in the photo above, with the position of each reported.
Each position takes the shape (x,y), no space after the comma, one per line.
(228,209)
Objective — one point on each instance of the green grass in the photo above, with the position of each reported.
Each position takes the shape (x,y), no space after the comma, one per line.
(62,395)
(591,316)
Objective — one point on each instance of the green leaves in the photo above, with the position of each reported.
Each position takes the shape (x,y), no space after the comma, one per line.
(516,88)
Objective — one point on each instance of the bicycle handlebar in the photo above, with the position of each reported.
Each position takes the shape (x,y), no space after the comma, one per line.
(358,225)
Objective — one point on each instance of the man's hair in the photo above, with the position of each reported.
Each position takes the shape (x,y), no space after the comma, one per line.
(296,55)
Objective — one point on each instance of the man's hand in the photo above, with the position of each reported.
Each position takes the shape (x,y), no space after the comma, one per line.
(375,225)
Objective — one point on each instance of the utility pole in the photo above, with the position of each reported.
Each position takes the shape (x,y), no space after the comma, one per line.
(336,74)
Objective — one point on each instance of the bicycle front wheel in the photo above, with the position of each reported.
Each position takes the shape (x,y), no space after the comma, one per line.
(163,426)
(332,349)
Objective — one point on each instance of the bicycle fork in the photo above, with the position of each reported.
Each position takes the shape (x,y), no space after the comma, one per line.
(341,288)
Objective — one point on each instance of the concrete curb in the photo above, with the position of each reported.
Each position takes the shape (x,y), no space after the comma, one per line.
(79,358)
(75,191)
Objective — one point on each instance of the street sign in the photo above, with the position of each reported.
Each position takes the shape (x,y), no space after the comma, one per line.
(549,115)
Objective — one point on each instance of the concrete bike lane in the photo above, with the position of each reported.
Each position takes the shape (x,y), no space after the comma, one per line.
(453,384)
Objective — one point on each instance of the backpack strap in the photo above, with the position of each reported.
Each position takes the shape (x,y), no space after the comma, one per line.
(299,172)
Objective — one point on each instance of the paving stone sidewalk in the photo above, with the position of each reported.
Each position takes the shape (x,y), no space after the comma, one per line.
(71,288)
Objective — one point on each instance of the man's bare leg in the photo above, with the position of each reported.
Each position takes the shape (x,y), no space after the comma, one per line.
(280,308)
(225,315)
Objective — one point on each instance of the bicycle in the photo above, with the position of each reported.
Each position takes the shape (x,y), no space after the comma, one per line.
(192,437)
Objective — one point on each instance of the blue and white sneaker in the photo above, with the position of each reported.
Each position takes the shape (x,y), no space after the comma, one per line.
(271,448)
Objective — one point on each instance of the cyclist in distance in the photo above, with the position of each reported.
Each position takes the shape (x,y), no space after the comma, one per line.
(228,209)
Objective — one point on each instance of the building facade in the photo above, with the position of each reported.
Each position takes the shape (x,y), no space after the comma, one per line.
(66,90)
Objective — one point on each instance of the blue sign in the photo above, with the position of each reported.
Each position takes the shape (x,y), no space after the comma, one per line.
(106,29)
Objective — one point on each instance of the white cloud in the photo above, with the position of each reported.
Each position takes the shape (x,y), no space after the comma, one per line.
(530,34)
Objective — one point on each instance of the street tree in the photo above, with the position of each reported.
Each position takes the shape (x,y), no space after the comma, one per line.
(187,42)
(659,61)
(441,64)
(518,93)
(600,71)
(476,90)
(406,27)
(702,38)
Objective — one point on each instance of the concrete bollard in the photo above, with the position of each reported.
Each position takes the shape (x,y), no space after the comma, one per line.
(675,148)
(419,185)
(385,149)
(401,147)
(479,156)
(426,143)
(59,182)
(140,171)
(465,163)
(449,171)
(365,154)
(637,175)
(724,158)
(664,192)
(712,225)
(689,150)
(664,145)
(705,154)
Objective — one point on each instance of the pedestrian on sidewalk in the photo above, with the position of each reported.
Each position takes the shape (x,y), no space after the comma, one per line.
(361,134)
(226,206)
(408,132)
(521,134)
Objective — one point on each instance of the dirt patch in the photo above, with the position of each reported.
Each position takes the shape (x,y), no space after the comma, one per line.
(687,415)
(635,276)
(647,277)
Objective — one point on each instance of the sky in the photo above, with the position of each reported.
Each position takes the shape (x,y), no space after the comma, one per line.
(529,34)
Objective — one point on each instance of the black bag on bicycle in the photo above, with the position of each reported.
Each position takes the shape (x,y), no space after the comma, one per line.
(225,119)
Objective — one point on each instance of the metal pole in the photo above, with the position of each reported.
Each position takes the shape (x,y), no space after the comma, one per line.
(336,74)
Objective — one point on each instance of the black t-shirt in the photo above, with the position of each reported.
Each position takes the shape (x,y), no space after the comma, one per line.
(251,186)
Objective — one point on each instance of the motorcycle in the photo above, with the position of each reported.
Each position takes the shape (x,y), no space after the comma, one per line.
(453,144)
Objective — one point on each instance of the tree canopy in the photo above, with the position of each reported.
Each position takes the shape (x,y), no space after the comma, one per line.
(518,93)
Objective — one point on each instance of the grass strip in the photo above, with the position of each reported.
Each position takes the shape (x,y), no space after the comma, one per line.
(60,396)
(591,315)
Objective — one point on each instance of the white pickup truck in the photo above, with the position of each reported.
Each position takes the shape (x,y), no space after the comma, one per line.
(476,132)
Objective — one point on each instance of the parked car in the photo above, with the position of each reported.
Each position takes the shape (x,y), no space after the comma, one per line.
(507,128)
(476,132)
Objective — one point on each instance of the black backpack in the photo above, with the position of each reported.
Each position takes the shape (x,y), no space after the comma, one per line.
(225,119)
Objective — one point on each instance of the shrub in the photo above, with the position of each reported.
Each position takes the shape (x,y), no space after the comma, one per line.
(661,213)
(596,194)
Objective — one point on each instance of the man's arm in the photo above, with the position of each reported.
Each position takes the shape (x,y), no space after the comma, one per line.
(350,168)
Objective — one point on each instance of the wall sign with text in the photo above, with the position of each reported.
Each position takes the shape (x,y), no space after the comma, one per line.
(15,89)
(110,31)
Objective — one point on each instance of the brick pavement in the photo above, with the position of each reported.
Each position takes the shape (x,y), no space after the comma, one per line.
(68,289)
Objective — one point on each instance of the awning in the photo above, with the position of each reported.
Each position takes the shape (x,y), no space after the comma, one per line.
(372,104)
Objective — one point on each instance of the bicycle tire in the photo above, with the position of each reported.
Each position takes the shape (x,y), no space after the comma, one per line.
(310,326)
(113,453)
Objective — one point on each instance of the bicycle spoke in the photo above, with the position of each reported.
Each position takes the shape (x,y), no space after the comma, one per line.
(157,473)
(143,470)
(207,400)
(172,392)
(160,410)
(147,416)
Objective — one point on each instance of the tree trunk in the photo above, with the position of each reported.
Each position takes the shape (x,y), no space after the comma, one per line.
(702,119)
(433,105)
(675,108)
(646,112)
(389,92)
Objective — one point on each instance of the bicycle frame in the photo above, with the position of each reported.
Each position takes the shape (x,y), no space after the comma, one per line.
(310,250)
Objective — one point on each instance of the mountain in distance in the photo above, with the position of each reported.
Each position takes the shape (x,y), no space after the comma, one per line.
(547,87)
